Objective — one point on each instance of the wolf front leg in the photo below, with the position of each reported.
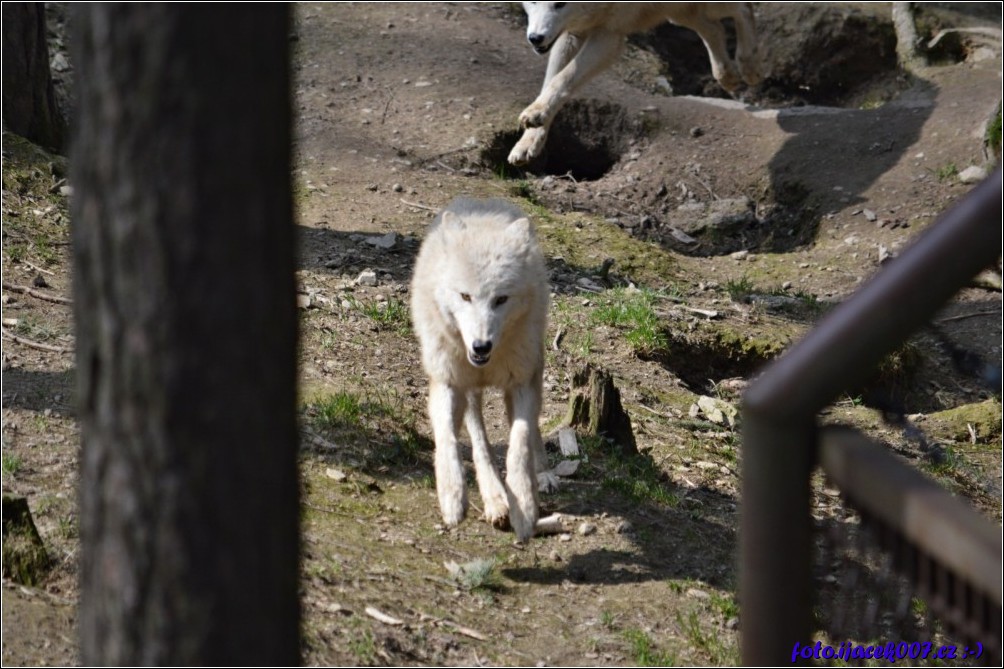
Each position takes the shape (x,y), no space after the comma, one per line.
(523,403)
(446,410)
(492,491)
(597,52)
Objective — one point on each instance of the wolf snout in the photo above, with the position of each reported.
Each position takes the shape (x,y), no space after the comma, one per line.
(481,351)
(538,42)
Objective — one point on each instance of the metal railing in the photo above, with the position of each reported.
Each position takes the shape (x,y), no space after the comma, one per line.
(781,444)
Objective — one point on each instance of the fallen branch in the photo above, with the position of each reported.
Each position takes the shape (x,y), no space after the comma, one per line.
(986,32)
(418,206)
(382,617)
(34,344)
(35,293)
(973,315)
(466,631)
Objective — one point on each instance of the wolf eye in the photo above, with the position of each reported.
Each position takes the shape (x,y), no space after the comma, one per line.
(500,300)
(465,297)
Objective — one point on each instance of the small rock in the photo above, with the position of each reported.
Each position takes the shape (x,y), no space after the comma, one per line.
(739,255)
(869,214)
(732,623)
(39,281)
(302,301)
(585,529)
(336,474)
(972,175)
(397,188)
(663,84)
(554,556)
(566,468)
(698,594)
(681,236)
(423,84)
(717,411)
(372,187)
(565,537)
(567,441)
(385,242)
(624,527)
(786,285)
(367,278)
(696,131)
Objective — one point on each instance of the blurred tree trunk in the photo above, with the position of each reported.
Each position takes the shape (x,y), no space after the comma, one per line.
(184,301)
(29,101)
(908,48)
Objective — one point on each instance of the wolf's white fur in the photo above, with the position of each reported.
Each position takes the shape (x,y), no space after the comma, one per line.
(479,299)
(584,38)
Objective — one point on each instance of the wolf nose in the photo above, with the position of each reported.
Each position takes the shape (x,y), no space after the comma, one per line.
(536,39)
(482,347)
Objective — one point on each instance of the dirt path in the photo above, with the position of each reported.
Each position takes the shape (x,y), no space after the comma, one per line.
(760,212)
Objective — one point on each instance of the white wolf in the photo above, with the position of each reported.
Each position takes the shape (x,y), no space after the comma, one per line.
(479,300)
(584,38)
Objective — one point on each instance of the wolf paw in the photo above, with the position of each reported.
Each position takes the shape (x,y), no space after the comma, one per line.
(453,508)
(529,146)
(547,482)
(497,511)
(534,116)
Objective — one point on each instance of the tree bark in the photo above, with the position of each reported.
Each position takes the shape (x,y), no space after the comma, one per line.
(908,49)
(29,100)
(186,335)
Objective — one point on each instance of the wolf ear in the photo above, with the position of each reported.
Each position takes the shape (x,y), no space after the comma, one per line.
(521,231)
(451,221)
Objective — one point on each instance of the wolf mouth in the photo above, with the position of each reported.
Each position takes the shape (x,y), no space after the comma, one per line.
(543,48)
(477,359)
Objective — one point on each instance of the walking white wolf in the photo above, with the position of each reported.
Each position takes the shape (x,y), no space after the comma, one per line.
(479,299)
(586,37)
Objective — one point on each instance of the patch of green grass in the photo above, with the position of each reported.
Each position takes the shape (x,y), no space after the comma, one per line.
(740,289)
(478,575)
(993,138)
(725,605)
(339,410)
(16,252)
(607,619)
(708,641)
(362,645)
(11,464)
(32,327)
(523,189)
(376,425)
(392,315)
(634,311)
(644,652)
(635,477)
(946,172)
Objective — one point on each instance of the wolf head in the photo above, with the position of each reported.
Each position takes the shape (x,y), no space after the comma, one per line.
(491,278)
(547,20)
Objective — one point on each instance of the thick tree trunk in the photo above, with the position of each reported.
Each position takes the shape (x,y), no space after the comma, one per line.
(29,101)
(908,48)
(186,335)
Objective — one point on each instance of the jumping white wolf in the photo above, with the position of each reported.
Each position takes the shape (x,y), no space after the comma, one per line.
(479,299)
(584,38)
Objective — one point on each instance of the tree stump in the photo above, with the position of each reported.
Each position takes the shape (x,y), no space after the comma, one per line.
(594,408)
(24,558)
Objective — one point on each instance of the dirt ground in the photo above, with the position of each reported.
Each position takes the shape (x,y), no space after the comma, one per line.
(732,225)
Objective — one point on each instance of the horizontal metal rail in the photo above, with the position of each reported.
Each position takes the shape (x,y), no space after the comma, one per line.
(950,552)
(779,411)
